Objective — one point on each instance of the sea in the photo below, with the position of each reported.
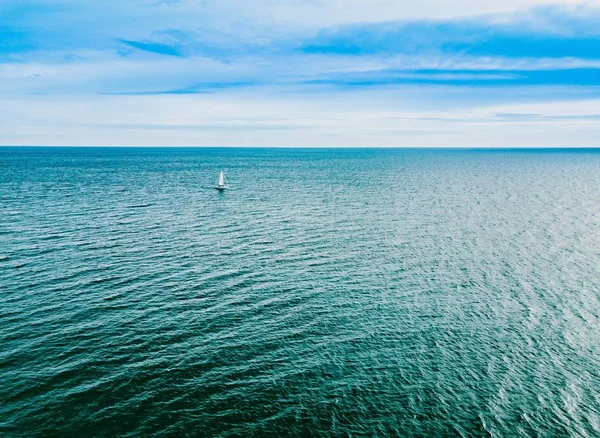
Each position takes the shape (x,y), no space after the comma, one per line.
(325,293)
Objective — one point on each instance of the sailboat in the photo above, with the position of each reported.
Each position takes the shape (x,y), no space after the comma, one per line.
(221,184)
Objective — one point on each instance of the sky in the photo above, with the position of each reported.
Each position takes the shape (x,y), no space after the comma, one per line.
(332,73)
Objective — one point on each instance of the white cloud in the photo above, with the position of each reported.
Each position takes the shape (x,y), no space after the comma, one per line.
(93,72)
(54,96)
(325,13)
(231,23)
(361,118)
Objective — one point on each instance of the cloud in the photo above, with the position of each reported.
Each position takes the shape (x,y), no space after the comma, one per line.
(528,117)
(200,88)
(578,76)
(233,25)
(433,116)
(314,72)
(565,32)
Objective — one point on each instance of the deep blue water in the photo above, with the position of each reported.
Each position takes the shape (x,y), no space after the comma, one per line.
(326,293)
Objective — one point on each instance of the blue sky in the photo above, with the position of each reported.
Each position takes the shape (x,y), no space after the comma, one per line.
(300,73)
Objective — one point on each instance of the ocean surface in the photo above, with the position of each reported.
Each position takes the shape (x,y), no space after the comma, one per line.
(327,293)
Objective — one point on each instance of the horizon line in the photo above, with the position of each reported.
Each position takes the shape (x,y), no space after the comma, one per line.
(302,147)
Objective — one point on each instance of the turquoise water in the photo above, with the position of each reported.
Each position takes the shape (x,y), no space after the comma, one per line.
(327,293)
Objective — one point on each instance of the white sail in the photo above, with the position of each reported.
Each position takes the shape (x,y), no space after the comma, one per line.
(221,180)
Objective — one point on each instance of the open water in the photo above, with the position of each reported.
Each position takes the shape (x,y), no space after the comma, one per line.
(326,293)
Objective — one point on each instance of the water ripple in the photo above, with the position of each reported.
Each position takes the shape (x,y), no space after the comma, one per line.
(328,293)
